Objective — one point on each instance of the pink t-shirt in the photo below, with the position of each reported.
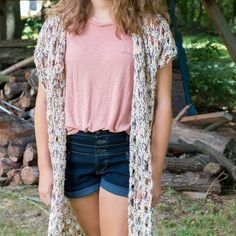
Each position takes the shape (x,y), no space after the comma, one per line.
(99,79)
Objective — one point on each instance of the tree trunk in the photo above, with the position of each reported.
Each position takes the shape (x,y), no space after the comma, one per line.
(14,26)
(3,25)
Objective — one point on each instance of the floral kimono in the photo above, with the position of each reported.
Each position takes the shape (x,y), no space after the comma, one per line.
(152,51)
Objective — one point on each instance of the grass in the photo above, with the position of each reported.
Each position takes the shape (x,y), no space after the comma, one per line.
(178,215)
(21,217)
(181,216)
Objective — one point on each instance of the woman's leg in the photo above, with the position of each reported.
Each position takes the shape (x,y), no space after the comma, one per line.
(114,187)
(113,214)
(81,182)
(87,213)
(105,213)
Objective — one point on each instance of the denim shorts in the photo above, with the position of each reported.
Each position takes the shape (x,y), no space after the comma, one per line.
(95,159)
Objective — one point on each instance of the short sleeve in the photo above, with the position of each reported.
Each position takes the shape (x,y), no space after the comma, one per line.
(168,49)
(41,54)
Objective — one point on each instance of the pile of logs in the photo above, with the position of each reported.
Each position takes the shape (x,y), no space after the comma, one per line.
(198,159)
(18,92)
(18,153)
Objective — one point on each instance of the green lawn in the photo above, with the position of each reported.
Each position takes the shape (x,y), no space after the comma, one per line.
(22,214)
(182,216)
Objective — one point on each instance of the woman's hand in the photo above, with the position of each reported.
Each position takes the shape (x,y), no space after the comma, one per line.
(45,186)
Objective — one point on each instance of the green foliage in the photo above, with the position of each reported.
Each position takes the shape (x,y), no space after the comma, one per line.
(212,74)
(31,28)
(193,17)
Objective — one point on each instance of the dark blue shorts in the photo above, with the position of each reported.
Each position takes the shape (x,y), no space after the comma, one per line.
(95,159)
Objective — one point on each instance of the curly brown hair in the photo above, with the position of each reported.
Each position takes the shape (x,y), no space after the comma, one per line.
(128,15)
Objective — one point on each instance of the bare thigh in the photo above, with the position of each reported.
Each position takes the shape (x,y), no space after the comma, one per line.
(113,214)
(87,213)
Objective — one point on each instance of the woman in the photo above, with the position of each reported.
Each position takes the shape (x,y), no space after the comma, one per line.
(98,102)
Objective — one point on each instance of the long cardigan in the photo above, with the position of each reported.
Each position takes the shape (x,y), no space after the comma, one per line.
(152,51)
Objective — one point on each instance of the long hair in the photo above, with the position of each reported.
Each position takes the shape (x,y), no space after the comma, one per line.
(128,15)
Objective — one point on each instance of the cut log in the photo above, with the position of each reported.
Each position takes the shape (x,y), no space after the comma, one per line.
(14,79)
(207,119)
(221,159)
(17,147)
(33,79)
(212,168)
(15,152)
(2,95)
(19,73)
(30,175)
(12,90)
(228,131)
(27,74)
(191,181)
(11,79)
(19,111)
(14,177)
(6,165)
(183,164)
(30,155)
(28,100)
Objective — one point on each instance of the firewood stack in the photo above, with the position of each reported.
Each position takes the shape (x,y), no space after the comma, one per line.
(199,160)
(18,153)
(19,92)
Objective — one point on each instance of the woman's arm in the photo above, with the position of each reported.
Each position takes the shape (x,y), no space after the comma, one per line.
(41,134)
(161,126)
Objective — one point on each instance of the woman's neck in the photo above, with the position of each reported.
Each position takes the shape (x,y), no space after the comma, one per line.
(101,10)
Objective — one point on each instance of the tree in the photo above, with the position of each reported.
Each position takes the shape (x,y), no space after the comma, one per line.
(10,20)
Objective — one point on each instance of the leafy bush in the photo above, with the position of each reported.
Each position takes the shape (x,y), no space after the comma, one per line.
(31,28)
(212,74)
